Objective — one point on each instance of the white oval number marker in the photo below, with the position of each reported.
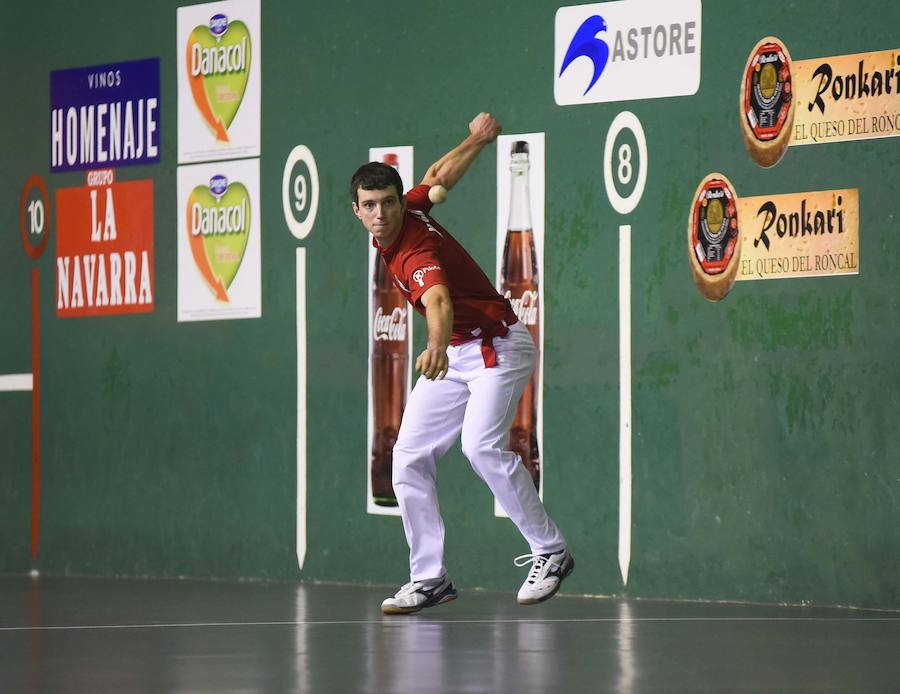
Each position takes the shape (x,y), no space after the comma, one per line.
(623,169)
(300,195)
(626,168)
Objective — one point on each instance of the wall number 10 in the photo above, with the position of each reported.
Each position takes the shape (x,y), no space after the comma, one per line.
(36,216)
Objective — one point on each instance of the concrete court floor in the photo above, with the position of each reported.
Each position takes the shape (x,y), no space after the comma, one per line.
(87,635)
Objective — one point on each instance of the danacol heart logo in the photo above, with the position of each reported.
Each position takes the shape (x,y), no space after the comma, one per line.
(218,226)
(218,65)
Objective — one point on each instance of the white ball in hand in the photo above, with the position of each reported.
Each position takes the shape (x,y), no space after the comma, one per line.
(437,194)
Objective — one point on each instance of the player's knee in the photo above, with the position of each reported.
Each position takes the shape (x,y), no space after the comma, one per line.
(400,460)
(403,454)
(474,447)
(401,479)
(408,463)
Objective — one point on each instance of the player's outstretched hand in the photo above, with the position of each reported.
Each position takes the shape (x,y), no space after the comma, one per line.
(433,363)
(485,127)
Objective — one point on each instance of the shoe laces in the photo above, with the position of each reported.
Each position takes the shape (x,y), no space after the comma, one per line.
(406,589)
(414,586)
(538,561)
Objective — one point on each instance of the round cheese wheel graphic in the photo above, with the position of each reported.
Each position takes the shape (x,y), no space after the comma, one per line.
(714,239)
(767,101)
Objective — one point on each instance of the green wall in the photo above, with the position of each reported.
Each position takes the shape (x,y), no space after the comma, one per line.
(766,455)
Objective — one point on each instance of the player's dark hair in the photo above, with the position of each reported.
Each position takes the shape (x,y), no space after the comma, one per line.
(375,176)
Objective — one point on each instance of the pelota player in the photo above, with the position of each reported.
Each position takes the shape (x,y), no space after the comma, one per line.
(477,361)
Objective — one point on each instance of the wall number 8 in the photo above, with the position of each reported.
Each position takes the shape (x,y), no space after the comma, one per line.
(627,166)
(625,169)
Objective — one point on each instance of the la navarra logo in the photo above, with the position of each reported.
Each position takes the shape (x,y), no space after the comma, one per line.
(104,250)
(218,65)
(218,225)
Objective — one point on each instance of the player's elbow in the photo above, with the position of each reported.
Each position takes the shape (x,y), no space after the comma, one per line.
(437,297)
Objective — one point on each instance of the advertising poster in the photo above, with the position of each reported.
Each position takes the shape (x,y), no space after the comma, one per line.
(219,274)
(807,102)
(105,116)
(104,247)
(520,277)
(783,236)
(218,54)
(799,235)
(390,355)
(847,97)
(625,50)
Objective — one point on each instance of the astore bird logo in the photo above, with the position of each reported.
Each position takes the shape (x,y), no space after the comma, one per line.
(586,44)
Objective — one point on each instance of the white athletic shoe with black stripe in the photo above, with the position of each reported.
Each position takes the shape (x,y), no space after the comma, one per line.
(546,574)
(417,595)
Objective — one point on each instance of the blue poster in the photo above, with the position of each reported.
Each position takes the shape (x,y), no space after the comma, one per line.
(105,116)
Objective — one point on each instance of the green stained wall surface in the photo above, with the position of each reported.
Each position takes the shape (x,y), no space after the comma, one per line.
(765,449)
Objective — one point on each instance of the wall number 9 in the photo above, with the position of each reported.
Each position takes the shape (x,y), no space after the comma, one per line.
(300,193)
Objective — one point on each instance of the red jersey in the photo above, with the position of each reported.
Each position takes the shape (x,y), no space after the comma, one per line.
(425,254)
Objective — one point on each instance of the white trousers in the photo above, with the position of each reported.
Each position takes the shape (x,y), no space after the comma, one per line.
(480,403)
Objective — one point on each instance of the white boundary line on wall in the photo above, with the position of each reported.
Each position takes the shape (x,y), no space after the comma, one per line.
(16,382)
(624,401)
(301,407)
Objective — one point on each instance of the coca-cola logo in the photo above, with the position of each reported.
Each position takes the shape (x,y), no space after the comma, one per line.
(419,275)
(525,306)
(390,327)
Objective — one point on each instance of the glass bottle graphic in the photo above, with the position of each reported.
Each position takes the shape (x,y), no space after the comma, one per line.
(520,284)
(390,372)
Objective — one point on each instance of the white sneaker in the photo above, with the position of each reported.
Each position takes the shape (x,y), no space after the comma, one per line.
(416,595)
(546,575)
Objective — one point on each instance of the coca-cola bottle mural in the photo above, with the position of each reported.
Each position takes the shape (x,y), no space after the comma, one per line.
(390,372)
(519,283)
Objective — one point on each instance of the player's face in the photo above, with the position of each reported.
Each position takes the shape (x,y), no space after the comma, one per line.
(381,212)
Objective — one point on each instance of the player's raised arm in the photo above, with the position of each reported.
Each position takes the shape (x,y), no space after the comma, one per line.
(447,170)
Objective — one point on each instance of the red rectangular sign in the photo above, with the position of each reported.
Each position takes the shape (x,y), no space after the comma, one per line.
(104,249)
